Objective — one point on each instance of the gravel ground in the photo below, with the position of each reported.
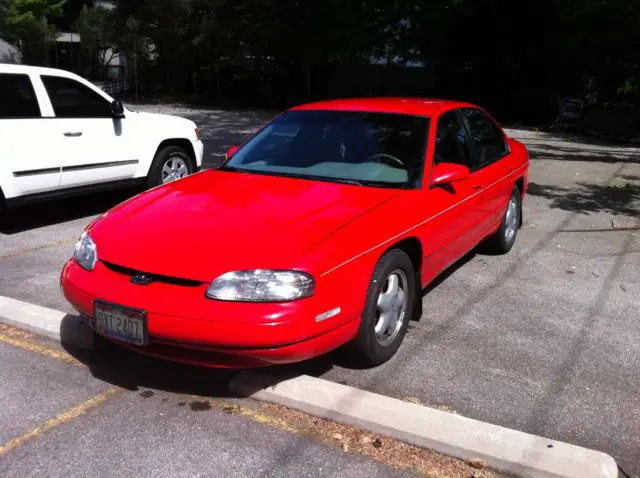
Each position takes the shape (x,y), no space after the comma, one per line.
(544,340)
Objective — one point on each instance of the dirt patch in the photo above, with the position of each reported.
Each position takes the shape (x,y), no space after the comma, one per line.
(385,450)
(15,333)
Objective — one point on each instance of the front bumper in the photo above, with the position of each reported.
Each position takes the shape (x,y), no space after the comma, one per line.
(199,150)
(185,326)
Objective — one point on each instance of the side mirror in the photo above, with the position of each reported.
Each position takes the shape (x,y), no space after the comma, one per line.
(231,151)
(447,173)
(117,110)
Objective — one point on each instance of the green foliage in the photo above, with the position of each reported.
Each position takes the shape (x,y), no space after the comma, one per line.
(27,26)
(480,47)
(97,31)
(496,52)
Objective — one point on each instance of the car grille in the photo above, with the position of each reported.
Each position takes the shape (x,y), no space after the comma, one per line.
(156,277)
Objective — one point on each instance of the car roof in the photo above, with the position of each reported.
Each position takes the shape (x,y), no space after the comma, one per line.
(28,69)
(412,106)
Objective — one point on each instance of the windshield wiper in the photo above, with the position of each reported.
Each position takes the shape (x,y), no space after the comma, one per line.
(311,177)
(354,182)
(231,169)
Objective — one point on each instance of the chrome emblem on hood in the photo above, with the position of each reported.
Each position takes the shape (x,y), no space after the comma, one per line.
(141,279)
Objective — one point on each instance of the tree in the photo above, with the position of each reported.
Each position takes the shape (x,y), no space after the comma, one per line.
(27,26)
(97,31)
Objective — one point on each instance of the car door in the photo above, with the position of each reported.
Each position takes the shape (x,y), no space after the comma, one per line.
(96,147)
(26,163)
(490,166)
(454,225)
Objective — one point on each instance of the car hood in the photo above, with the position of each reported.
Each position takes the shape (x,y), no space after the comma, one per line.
(161,118)
(213,222)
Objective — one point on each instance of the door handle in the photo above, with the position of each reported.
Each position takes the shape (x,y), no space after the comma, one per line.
(510,170)
(477,186)
(73,134)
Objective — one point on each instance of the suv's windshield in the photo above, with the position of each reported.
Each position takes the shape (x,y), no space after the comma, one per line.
(372,149)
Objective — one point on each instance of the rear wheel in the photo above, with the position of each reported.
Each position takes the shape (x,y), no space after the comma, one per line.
(505,237)
(171,163)
(387,312)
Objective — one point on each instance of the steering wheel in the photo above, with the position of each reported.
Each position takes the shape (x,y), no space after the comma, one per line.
(386,158)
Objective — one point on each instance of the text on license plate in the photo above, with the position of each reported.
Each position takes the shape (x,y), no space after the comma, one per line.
(120,323)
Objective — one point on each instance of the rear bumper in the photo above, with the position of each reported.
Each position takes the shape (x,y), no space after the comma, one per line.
(184,326)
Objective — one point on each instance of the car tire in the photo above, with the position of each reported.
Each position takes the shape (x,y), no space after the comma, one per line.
(374,346)
(504,238)
(170,158)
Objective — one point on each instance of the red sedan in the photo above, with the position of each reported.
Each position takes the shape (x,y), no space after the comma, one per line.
(320,231)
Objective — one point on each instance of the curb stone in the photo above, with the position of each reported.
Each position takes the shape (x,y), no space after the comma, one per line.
(50,323)
(503,449)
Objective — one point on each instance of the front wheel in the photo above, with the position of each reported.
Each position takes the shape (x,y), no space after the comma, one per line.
(170,163)
(505,237)
(387,311)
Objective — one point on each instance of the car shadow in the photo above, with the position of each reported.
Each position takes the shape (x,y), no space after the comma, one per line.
(129,370)
(33,216)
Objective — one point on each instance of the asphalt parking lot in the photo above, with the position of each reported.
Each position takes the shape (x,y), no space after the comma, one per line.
(58,420)
(544,340)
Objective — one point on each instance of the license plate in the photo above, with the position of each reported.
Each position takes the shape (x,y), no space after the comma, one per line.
(121,323)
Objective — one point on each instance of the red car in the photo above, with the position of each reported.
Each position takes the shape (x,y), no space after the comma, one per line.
(320,231)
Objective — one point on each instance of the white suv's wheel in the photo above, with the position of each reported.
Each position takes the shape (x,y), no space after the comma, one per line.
(171,163)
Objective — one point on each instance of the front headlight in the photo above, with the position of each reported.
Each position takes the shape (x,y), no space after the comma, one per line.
(86,253)
(261,286)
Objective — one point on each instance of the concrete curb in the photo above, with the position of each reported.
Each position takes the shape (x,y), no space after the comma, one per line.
(51,323)
(31,318)
(503,449)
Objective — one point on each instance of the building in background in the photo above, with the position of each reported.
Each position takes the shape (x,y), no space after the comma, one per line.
(8,53)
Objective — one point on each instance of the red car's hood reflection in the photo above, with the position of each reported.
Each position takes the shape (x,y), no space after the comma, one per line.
(214,222)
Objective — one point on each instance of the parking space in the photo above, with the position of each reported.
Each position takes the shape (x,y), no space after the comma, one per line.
(545,340)
(57,419)
(36,398)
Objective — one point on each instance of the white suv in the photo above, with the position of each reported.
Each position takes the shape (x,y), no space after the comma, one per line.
(61,135)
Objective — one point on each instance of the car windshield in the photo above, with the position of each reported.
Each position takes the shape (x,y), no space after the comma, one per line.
(369,149)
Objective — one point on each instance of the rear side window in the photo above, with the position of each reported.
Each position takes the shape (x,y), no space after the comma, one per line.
(490,143)
(71,99)
(17,98)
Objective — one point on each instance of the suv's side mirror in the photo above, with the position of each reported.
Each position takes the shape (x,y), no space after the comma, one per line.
(231,151)
(447,173)
(117,110)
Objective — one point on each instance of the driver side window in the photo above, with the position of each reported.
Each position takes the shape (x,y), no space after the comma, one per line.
(452,143)
(71,99)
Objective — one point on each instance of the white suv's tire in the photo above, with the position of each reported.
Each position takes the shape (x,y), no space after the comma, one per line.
(171,163)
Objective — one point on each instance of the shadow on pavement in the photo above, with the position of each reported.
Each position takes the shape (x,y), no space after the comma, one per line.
(43,214)
(564,153)
(127,369)
(585,198)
